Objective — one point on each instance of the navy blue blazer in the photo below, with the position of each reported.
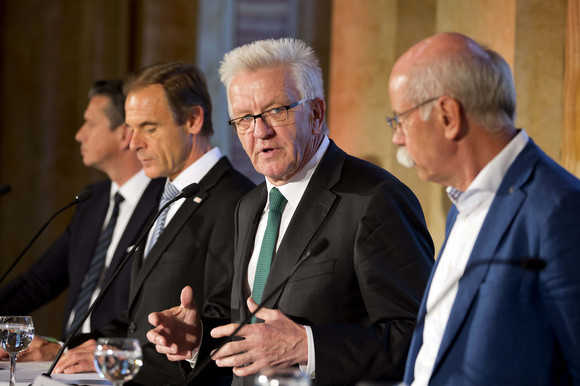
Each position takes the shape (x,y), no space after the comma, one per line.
(510,325)
(64,264)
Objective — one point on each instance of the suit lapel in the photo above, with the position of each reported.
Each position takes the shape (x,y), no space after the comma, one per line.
(307,219)
(96,213)
(504,208)
(147,203)
(187,209)
(256,200)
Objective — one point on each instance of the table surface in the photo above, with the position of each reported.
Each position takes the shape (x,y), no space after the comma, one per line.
(26,372)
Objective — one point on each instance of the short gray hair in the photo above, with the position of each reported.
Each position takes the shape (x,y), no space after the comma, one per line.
(295,55)
(482,82)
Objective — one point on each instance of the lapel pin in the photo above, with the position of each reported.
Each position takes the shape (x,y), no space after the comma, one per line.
(197,199)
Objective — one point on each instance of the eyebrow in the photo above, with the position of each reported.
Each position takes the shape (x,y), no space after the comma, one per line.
(143,124)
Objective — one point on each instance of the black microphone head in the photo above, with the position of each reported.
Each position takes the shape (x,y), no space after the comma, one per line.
(5,189)
(84,195)
(533,264)
(318,247)
(190,190)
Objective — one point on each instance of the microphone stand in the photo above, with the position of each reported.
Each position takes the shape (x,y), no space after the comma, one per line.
(318,248)
(82,196)
(187,192)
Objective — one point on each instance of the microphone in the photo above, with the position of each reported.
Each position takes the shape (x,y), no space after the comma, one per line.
(316,249)
(5,189)
(186,193)
(81,197)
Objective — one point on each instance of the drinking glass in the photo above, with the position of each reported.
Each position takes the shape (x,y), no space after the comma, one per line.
(118,359)
(16,334)
(287,376)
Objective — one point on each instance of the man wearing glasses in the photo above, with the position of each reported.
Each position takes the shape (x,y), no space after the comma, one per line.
(502,306)
(347,314)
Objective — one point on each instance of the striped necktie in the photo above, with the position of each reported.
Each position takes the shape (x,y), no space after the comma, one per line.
(169,193)
(96,266)
(268,248)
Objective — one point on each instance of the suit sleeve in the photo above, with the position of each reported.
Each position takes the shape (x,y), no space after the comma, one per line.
(393,256)
(44,281)
(560,280)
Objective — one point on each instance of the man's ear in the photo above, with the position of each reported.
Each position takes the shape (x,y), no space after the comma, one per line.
(194,121)
(449,116)
(317,111)
(126,134)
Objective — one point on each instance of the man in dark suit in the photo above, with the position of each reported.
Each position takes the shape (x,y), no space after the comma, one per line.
(347,314)
(169,111)
(104,140)
(502,305)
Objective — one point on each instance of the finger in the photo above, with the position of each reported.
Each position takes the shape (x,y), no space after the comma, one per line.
(81,367)
(225,330)
(263,313)
(186,298)
(230,349)
(180,357)
(252,305)
(84,352)
(155,318)
(239,360)
(247,369)
(156,338)
(168,349)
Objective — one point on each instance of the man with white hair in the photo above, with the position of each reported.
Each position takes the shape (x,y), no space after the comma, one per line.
(502,306)
(347,314)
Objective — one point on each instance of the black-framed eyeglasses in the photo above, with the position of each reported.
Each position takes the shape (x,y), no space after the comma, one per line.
(395,121)
(275,116)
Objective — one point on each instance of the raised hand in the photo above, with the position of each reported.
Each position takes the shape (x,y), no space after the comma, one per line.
(177,331)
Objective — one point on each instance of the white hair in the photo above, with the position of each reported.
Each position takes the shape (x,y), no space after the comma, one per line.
(295,55)
(481,81)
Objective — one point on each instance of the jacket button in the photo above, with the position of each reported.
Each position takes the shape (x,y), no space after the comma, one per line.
(132,327)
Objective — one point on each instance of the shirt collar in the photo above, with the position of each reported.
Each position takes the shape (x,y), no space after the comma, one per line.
(294,189)
(490,177)
(197,170)
(132,189)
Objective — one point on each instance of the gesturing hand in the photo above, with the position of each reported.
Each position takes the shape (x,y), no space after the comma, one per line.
(278,342)
(177,331)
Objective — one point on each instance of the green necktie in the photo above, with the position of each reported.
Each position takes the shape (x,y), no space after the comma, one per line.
(277,204)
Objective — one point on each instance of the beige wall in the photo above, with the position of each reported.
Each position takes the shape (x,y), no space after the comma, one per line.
(367,36)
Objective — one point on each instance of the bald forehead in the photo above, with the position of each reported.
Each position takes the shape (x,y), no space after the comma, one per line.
(437,46)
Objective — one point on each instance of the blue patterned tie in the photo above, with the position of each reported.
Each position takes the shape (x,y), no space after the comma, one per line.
(96,266)
(169,193)
(268,248)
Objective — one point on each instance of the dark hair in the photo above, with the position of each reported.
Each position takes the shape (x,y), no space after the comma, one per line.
(113,89)
(184,85)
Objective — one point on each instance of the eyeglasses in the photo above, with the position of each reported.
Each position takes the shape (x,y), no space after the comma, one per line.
(276,116)
(395,121)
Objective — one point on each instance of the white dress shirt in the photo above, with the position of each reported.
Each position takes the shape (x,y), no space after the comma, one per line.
(193,173)
(472,206)
(132,190)
(293,191)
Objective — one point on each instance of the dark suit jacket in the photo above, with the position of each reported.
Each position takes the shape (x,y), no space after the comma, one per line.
(66,261)
(510,325)
(195,249)
(361,295)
